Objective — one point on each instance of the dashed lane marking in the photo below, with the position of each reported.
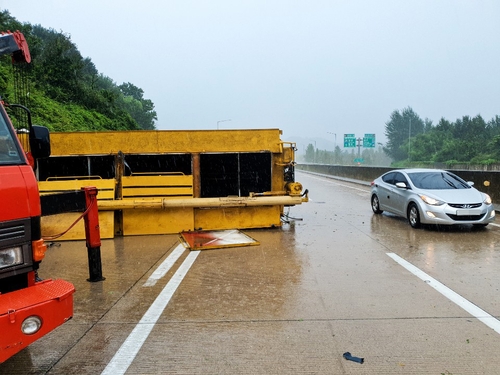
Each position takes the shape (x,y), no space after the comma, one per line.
(468,306)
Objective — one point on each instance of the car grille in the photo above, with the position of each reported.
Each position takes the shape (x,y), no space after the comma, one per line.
(466,217)
(461,205)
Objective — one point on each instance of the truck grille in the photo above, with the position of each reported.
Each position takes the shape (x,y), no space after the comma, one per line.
(14,232)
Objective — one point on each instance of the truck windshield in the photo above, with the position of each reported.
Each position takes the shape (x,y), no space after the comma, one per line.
(9,152)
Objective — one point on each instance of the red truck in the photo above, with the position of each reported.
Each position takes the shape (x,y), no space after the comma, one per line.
(29,307)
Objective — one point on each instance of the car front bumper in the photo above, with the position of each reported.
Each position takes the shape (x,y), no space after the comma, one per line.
(450,216)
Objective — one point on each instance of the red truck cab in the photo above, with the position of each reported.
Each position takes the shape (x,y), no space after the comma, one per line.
(29,307)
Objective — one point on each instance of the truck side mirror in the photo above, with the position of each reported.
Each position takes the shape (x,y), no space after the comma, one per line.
(39,141)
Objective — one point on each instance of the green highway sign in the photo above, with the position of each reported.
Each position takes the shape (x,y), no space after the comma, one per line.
(349,140)
(369,140)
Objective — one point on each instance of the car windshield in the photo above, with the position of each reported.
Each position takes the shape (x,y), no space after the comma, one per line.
(437,181)
(9,153)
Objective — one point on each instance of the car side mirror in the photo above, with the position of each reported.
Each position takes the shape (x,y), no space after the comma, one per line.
(401,185)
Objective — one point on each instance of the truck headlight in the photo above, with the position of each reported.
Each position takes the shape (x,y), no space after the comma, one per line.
(11,257)
(31,325)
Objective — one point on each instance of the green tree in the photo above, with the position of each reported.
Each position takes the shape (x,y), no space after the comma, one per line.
(141,110)
(399,130)
(466,140)
(425,146)
(337,155)
(494,145)
(59,65)
(63,82)
(310,153)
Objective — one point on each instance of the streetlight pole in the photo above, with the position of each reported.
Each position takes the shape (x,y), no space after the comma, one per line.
(409,141)
(334,146)
(221,121)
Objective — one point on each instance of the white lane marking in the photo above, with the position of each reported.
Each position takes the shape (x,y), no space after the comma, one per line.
(165,266)
(495,225)
(326,179)
(129,349)
(468,306)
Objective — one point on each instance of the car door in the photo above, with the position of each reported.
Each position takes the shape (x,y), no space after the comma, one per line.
(385,189)
(398,196)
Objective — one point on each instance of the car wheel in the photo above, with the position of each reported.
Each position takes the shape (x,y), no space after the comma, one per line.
(376,204)
(413,216)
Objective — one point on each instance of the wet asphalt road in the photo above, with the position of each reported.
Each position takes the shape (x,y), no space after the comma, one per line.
(320,286)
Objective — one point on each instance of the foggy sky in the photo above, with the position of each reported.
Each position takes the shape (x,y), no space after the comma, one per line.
(313,69)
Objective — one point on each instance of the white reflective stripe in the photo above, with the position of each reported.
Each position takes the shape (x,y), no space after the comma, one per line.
(468,306)
(129,349)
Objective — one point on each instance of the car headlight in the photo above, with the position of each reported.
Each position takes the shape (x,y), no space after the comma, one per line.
(487,199)
(431,201)
(11,257)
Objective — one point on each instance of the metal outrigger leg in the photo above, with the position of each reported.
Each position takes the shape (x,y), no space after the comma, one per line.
(92,234)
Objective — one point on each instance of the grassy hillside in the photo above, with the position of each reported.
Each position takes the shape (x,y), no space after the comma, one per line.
(65,91)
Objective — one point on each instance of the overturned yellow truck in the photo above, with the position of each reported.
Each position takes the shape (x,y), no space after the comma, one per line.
(165,182)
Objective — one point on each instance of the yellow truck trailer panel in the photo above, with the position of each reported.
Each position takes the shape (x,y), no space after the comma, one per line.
(157,186)
(237,217)
(55,224)
(168,141)
(105,188)
(157,221)
(163,182)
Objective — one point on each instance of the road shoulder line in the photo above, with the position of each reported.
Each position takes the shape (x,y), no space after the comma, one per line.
(456,298)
